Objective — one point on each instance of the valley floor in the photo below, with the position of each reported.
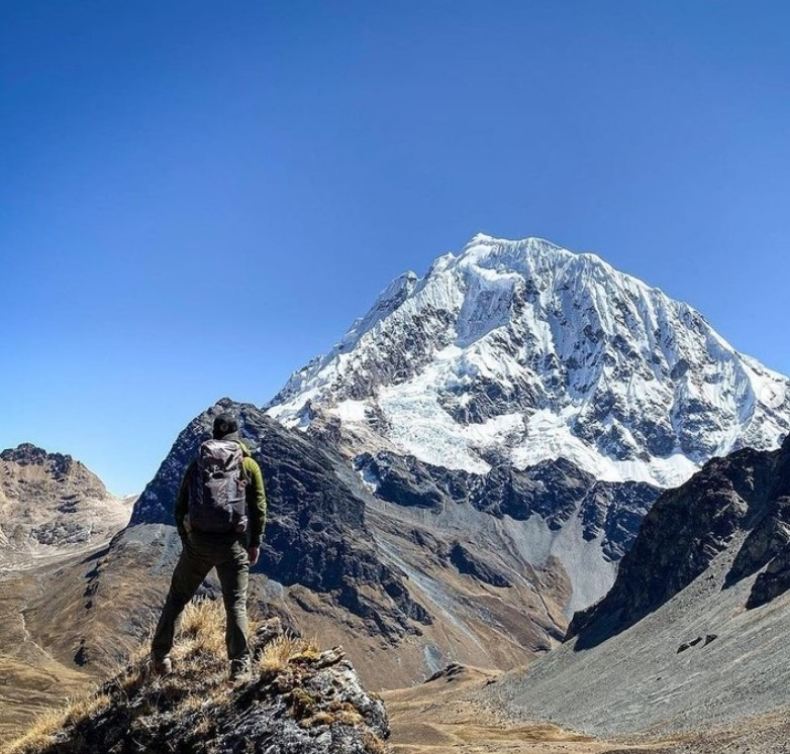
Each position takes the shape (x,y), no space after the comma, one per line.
(443,717)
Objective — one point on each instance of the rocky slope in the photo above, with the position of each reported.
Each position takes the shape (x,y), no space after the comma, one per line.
(693,633)
(531,352)
(299,700)
(608,513)
(553,517)
(50,503)
(745,493)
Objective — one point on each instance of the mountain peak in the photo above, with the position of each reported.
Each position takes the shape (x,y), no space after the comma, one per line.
(27,453)
(526,243)
(51,500)
(513,254)
(482,245)
(528,350)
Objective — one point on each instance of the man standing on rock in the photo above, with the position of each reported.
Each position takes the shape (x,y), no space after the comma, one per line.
(220,515)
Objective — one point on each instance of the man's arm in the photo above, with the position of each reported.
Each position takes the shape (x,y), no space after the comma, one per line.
(256,501)
(182,503)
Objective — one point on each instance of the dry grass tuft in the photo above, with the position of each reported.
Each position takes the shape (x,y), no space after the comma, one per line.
(44,728)
(86,707)
(309,653)
(373,744)
(349,715)
(302,703)
(39,735)
(319,718)
(284,649)
(202,629)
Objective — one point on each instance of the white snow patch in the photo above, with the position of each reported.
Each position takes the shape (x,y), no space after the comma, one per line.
(351,411)
(549,437)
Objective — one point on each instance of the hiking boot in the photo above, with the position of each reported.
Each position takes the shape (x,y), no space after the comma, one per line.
(163,666)
(240,671)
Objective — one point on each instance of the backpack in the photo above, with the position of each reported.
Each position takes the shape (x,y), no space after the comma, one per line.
(217,495)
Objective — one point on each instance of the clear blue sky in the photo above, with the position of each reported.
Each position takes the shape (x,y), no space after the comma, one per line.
(197,197)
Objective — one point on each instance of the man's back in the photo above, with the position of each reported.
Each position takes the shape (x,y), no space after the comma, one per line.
(220,515)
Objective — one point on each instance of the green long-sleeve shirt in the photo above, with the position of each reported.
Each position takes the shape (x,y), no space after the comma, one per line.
(256,499)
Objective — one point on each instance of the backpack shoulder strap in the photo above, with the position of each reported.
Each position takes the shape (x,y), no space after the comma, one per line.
(244,471)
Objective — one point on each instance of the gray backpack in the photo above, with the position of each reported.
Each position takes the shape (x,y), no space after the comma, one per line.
(217,496)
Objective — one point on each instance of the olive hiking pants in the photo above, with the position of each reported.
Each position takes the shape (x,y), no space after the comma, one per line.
(201,553)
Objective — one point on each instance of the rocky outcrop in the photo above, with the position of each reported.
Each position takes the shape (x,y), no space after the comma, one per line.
(57,465)
(766,550)
(299,700)
(463,559)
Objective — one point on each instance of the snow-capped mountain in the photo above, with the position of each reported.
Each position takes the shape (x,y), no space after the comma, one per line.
(525,351)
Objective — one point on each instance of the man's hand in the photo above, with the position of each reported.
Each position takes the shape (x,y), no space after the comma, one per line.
(253,554)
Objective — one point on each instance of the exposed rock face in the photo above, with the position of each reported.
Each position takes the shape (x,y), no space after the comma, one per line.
(554,491)
(463,559)
(747,493)
(316,535)
(51,502)
(767,547)
(531,352)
